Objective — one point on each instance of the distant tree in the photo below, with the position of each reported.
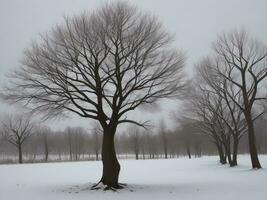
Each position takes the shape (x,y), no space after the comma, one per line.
(143,145)
(150,144)
(43,133)
(75,140)
(163,138)
(135,138)
(96,137)
(203,112)
(46,147)
(100,66)
(16,130)
(70,142)
(188,137)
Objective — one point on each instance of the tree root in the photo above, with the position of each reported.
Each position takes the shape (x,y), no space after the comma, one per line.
(114,188)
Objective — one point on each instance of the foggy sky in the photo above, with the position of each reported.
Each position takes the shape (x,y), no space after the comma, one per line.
(195,24)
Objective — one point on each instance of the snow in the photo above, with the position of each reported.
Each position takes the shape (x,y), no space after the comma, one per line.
(201,178)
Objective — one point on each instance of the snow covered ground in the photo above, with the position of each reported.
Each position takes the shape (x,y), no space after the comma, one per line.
(200,178)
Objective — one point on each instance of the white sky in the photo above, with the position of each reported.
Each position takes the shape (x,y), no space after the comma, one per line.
(195,23)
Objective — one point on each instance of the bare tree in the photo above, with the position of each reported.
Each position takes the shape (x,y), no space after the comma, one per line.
(79,134)
(46,147)
(202,110)
(96,137)
(164,138)
(150,145)
(16,130)
(70,142)
(100,66)
(134,136)
(242,63)
(219,97)
(44,133)
(187,138)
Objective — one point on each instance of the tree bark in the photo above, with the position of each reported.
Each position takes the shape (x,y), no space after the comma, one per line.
(46,149)
(221,154)
(228,152)
(143,152)
(235,149)
(111,166)
(20,153)
(252,142)
(136,156)
(136,147)
(165,147)
(70,147)
(188,151)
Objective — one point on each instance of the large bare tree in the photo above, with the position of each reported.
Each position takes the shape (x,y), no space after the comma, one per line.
(100,66)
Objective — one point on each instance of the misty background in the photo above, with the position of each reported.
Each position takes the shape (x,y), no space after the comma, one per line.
(195,25)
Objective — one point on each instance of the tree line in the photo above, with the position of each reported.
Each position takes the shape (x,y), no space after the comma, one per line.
(42,144)
(32,143)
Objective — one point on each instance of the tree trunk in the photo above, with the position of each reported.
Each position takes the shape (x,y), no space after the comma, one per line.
(136,156)
(221,154)
(188,151)
(46,150)
(70,146)
(229,158)
(143,152)
(20,153)
(70,152)
(165,149)
(252,143)
(235,149)
(228,153)
(111,166)
(136,148)
(165,154)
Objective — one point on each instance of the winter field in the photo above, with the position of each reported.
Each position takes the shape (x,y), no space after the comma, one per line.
(184,179)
